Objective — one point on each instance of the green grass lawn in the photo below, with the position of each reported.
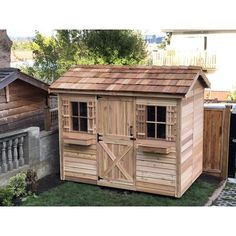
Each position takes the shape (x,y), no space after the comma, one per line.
(77,194)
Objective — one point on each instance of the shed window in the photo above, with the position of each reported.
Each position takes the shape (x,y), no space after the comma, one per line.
(79,116)
(156,122)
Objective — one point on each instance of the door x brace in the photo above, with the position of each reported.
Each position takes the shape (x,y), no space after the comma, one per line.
(116,161)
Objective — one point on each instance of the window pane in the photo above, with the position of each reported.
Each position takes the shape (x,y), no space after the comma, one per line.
(161,131)
(75,125)
(151,130)
(150,113)
(74,106)
(83,108)
(83,124)
(161,114)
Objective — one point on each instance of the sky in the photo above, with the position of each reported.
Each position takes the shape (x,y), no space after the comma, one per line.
(47,32)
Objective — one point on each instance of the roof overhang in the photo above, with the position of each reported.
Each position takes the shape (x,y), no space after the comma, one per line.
(17,74)
(203,80)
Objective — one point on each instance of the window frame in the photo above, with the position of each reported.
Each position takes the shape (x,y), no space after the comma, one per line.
(78,117)
(155,122)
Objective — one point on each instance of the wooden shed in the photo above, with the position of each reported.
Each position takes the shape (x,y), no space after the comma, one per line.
(22,100)
(136,128)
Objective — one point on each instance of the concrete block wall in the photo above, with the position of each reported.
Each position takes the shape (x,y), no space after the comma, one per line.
(41,153)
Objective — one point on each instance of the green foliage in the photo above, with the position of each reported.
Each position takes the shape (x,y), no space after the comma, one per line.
(122,47)
(16,189)
(56,54)
(6,196)
(22,45)
(166,41)
(233,95)
(17,184)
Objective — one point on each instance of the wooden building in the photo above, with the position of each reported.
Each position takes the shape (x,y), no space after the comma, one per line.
(22,100)
(137,128)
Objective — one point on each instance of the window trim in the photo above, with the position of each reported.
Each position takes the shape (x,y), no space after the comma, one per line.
(79,117)
(155,122)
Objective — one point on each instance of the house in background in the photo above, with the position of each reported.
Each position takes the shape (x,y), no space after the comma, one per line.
(213,50)
(24,115)
(136,128)
(23,98)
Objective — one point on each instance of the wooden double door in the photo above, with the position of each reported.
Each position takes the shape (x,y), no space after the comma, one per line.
(115,142)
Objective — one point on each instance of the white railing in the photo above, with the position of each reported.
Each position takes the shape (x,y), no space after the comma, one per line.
(12,152)
(205,59)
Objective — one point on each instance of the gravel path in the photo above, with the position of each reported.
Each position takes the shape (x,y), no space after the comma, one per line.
(227,197)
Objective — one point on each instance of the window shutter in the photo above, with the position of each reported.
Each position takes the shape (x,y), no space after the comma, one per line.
(91,117)
(65,115)
(171,123)
(141,121)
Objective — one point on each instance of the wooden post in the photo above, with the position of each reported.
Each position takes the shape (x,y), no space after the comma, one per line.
(47,119)
(225,133)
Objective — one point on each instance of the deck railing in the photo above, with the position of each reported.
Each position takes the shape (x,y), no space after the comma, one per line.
(205,59)
(12,154)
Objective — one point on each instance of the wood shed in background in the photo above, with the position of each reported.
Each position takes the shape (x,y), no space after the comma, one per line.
(22,100)
(137,128)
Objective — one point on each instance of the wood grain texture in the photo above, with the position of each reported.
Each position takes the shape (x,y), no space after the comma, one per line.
(22,107)
(191,140)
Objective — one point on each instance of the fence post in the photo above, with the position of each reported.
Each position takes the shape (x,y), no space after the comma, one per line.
(226,130)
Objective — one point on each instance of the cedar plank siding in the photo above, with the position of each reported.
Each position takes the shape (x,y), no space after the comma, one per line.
(77,162)
(25,107)
(191,137)
(161,166)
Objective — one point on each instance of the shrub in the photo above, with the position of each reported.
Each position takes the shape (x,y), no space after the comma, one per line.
(6,196)
(17,184)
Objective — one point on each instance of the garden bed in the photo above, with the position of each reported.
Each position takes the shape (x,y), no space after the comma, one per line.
(54,192)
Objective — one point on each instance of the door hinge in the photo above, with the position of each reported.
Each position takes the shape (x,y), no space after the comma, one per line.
(98,97)
(98,137)
(132,138)
(99,178)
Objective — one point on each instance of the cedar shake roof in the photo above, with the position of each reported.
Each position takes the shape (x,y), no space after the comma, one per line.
(8,75)
(176,80)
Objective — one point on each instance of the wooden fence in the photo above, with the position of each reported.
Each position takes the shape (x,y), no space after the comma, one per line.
(51,114)
(216,141)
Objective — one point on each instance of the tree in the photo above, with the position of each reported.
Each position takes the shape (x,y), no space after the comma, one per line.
(233,95)
(124,47)
(166,41)
(56,54)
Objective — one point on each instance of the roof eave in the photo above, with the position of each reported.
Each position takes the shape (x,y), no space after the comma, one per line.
(205,81)
(17,74)
(105,92)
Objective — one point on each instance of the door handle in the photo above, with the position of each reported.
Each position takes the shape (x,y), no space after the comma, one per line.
(131,133)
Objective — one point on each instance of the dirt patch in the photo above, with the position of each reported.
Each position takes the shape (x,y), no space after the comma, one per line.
(48,182)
